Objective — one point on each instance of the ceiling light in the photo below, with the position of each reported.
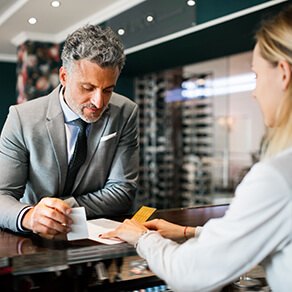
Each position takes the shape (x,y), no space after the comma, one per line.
(55,4)
(150,18)
(121,31)
(191,2)
(32,20)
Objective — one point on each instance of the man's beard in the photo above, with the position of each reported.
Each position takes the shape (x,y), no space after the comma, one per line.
(79,110)
(93,117)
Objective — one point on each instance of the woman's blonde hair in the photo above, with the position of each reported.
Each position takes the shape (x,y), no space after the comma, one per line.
(275,42)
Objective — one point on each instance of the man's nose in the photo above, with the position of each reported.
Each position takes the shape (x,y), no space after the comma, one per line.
(97,99)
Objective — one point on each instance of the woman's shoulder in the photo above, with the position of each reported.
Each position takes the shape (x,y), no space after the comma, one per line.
(279,166)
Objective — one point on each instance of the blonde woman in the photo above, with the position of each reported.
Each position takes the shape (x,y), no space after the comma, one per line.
(257,228)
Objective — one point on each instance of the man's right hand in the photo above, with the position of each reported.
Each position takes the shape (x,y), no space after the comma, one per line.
(49,216)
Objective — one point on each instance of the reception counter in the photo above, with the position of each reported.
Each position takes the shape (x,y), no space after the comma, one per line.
(34,263)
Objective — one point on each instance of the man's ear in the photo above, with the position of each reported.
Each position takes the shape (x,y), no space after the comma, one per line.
(286,73)
(63,76)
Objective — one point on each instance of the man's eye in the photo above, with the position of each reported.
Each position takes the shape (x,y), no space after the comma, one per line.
(87,88)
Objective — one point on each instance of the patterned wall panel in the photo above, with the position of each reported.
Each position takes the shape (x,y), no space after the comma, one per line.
(37,69)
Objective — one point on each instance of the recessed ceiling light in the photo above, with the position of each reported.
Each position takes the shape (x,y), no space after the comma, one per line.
(32,20)
(150,18)
(55,4)
(191,2)
(121,31)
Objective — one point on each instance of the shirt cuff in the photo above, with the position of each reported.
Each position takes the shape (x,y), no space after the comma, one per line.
(20,217)
(71,202)
(198,231)
(151,235)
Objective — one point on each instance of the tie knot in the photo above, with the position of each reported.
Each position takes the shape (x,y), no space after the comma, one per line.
(81,124)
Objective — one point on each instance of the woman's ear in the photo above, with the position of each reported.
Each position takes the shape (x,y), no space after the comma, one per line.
(286,73)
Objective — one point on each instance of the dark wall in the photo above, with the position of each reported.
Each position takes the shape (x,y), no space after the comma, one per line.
(125,86)
(7,89)
(212,9)
(231,37)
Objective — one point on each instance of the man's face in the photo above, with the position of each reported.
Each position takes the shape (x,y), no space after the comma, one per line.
(88,88)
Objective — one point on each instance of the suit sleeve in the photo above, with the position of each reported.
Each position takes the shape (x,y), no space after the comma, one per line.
(14,170)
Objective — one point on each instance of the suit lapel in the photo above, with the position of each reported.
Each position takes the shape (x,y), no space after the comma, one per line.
(57,133)
(95,133)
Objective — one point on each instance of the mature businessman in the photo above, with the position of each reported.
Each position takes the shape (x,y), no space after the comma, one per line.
(43,141)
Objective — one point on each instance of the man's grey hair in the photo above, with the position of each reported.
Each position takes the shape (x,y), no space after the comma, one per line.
(94,44)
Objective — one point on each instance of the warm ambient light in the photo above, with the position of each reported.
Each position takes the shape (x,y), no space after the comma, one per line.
(121,31)
(191,2)
(220,86)
(55,4)
(212,87)
(32,20)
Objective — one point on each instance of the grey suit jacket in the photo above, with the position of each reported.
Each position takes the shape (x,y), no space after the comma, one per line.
(33,159)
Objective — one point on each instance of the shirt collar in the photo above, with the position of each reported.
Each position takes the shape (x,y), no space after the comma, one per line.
(69,115)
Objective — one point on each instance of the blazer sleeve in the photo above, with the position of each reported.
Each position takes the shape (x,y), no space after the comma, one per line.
(14,170)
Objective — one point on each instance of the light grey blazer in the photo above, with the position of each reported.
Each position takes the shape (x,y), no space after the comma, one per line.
(33,159)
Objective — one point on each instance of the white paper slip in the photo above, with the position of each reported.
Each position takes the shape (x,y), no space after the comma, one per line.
(102,226)
(79,226)
(82,229)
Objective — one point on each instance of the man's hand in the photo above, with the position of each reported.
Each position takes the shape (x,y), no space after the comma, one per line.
(49,216)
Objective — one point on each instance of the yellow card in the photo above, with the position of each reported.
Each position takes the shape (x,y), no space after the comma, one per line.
(143,214)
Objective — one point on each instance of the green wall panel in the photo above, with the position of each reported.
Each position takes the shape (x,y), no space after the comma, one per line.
(230,37)
(212,9)
(7,85)
(125,86)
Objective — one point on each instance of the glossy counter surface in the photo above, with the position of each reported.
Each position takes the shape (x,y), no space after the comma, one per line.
(37,256)
(22,250)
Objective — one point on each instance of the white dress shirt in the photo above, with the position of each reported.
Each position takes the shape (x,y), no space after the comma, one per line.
(257,228)
(72,129)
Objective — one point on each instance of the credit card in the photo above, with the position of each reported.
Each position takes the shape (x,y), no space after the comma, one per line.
(143,214)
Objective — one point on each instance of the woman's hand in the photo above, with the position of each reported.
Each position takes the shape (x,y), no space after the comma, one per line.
(130,230)
(169,230)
